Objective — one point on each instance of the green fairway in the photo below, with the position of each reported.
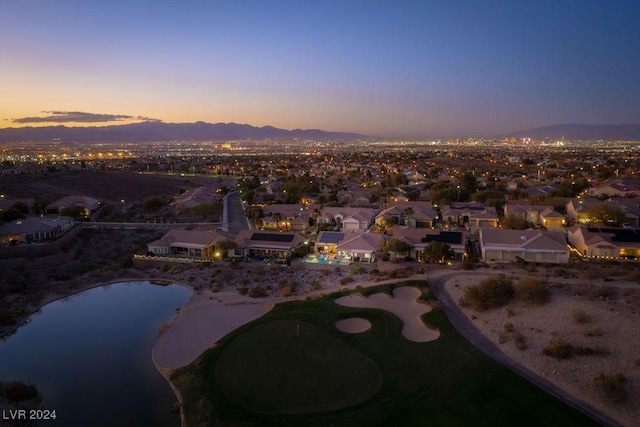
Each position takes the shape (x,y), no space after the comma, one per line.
(270,373)
(288,352)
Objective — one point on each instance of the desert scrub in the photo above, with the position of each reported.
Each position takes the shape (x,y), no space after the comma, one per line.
(533,291)
(345,280)
(315,285)
(243,290)
(17,391)
(580,317)
(519,341)
(162,328)
(610,387)
(257,292)
(558,349)
(357,269)
(509,327)
(287,288)
(490,293)
(561,349)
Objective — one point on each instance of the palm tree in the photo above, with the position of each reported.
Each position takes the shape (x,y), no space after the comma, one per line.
(277,217)
(408,214)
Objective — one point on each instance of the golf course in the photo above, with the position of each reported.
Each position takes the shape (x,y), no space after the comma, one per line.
(293,366)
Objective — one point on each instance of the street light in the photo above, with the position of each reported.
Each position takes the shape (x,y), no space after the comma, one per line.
(458,193)
(124,210)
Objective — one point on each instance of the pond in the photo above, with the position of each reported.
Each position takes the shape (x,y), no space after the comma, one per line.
(90,355)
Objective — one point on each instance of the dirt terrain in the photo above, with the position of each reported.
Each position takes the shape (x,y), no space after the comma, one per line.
(105,185)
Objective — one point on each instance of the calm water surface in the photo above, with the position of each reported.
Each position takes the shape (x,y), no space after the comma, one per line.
(90,356)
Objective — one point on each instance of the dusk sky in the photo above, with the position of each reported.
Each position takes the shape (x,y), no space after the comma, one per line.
(392,68)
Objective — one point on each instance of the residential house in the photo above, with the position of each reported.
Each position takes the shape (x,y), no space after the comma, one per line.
(601,242)
(471,214)
(413,214)
(623,186)
(198,243)
(577,209)
(357,246)
(89,204)
(270,244)
(354,196)
(6,204)
(543,215)
(34,230)
(419,239)
(499,245)
(631,209)
(196,197)
(280,216)
(350,219)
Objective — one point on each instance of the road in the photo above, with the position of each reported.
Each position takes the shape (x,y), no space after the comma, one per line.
(465,326)
(233,216)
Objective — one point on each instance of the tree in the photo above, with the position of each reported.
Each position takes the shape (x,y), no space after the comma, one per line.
(12,214)
(514,222)
(226,245)
(468,185)
(277,217)
(408,214)
(153,203)
(75,212)
(396,245)
(21,207)
(437,251)
(605,213)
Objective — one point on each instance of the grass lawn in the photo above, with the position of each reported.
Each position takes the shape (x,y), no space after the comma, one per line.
(266,374)
(270,380)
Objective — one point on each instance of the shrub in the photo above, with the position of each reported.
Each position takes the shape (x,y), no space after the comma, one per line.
(257,292)
(162,328)
(509,327)
(558,349)
(611,387)
(357,269)
(490,293)
(315,285)
(468,264)
(287,288)
(580,317)
(243,290)
(346,279)
(519,341)
(16,391)
(533,291)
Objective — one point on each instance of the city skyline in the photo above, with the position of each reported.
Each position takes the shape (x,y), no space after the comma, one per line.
(373,68)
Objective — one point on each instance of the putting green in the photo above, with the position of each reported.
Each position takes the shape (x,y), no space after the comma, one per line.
(292,367)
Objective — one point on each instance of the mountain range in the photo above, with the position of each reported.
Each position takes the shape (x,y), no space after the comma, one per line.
(159,131)
(582,132)
(201,131)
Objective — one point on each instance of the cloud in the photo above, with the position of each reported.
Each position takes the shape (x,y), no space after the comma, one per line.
(80,117)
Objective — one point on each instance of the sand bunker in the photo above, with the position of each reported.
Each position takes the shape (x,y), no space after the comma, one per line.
(404,305)
(198,327)
(353,325)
